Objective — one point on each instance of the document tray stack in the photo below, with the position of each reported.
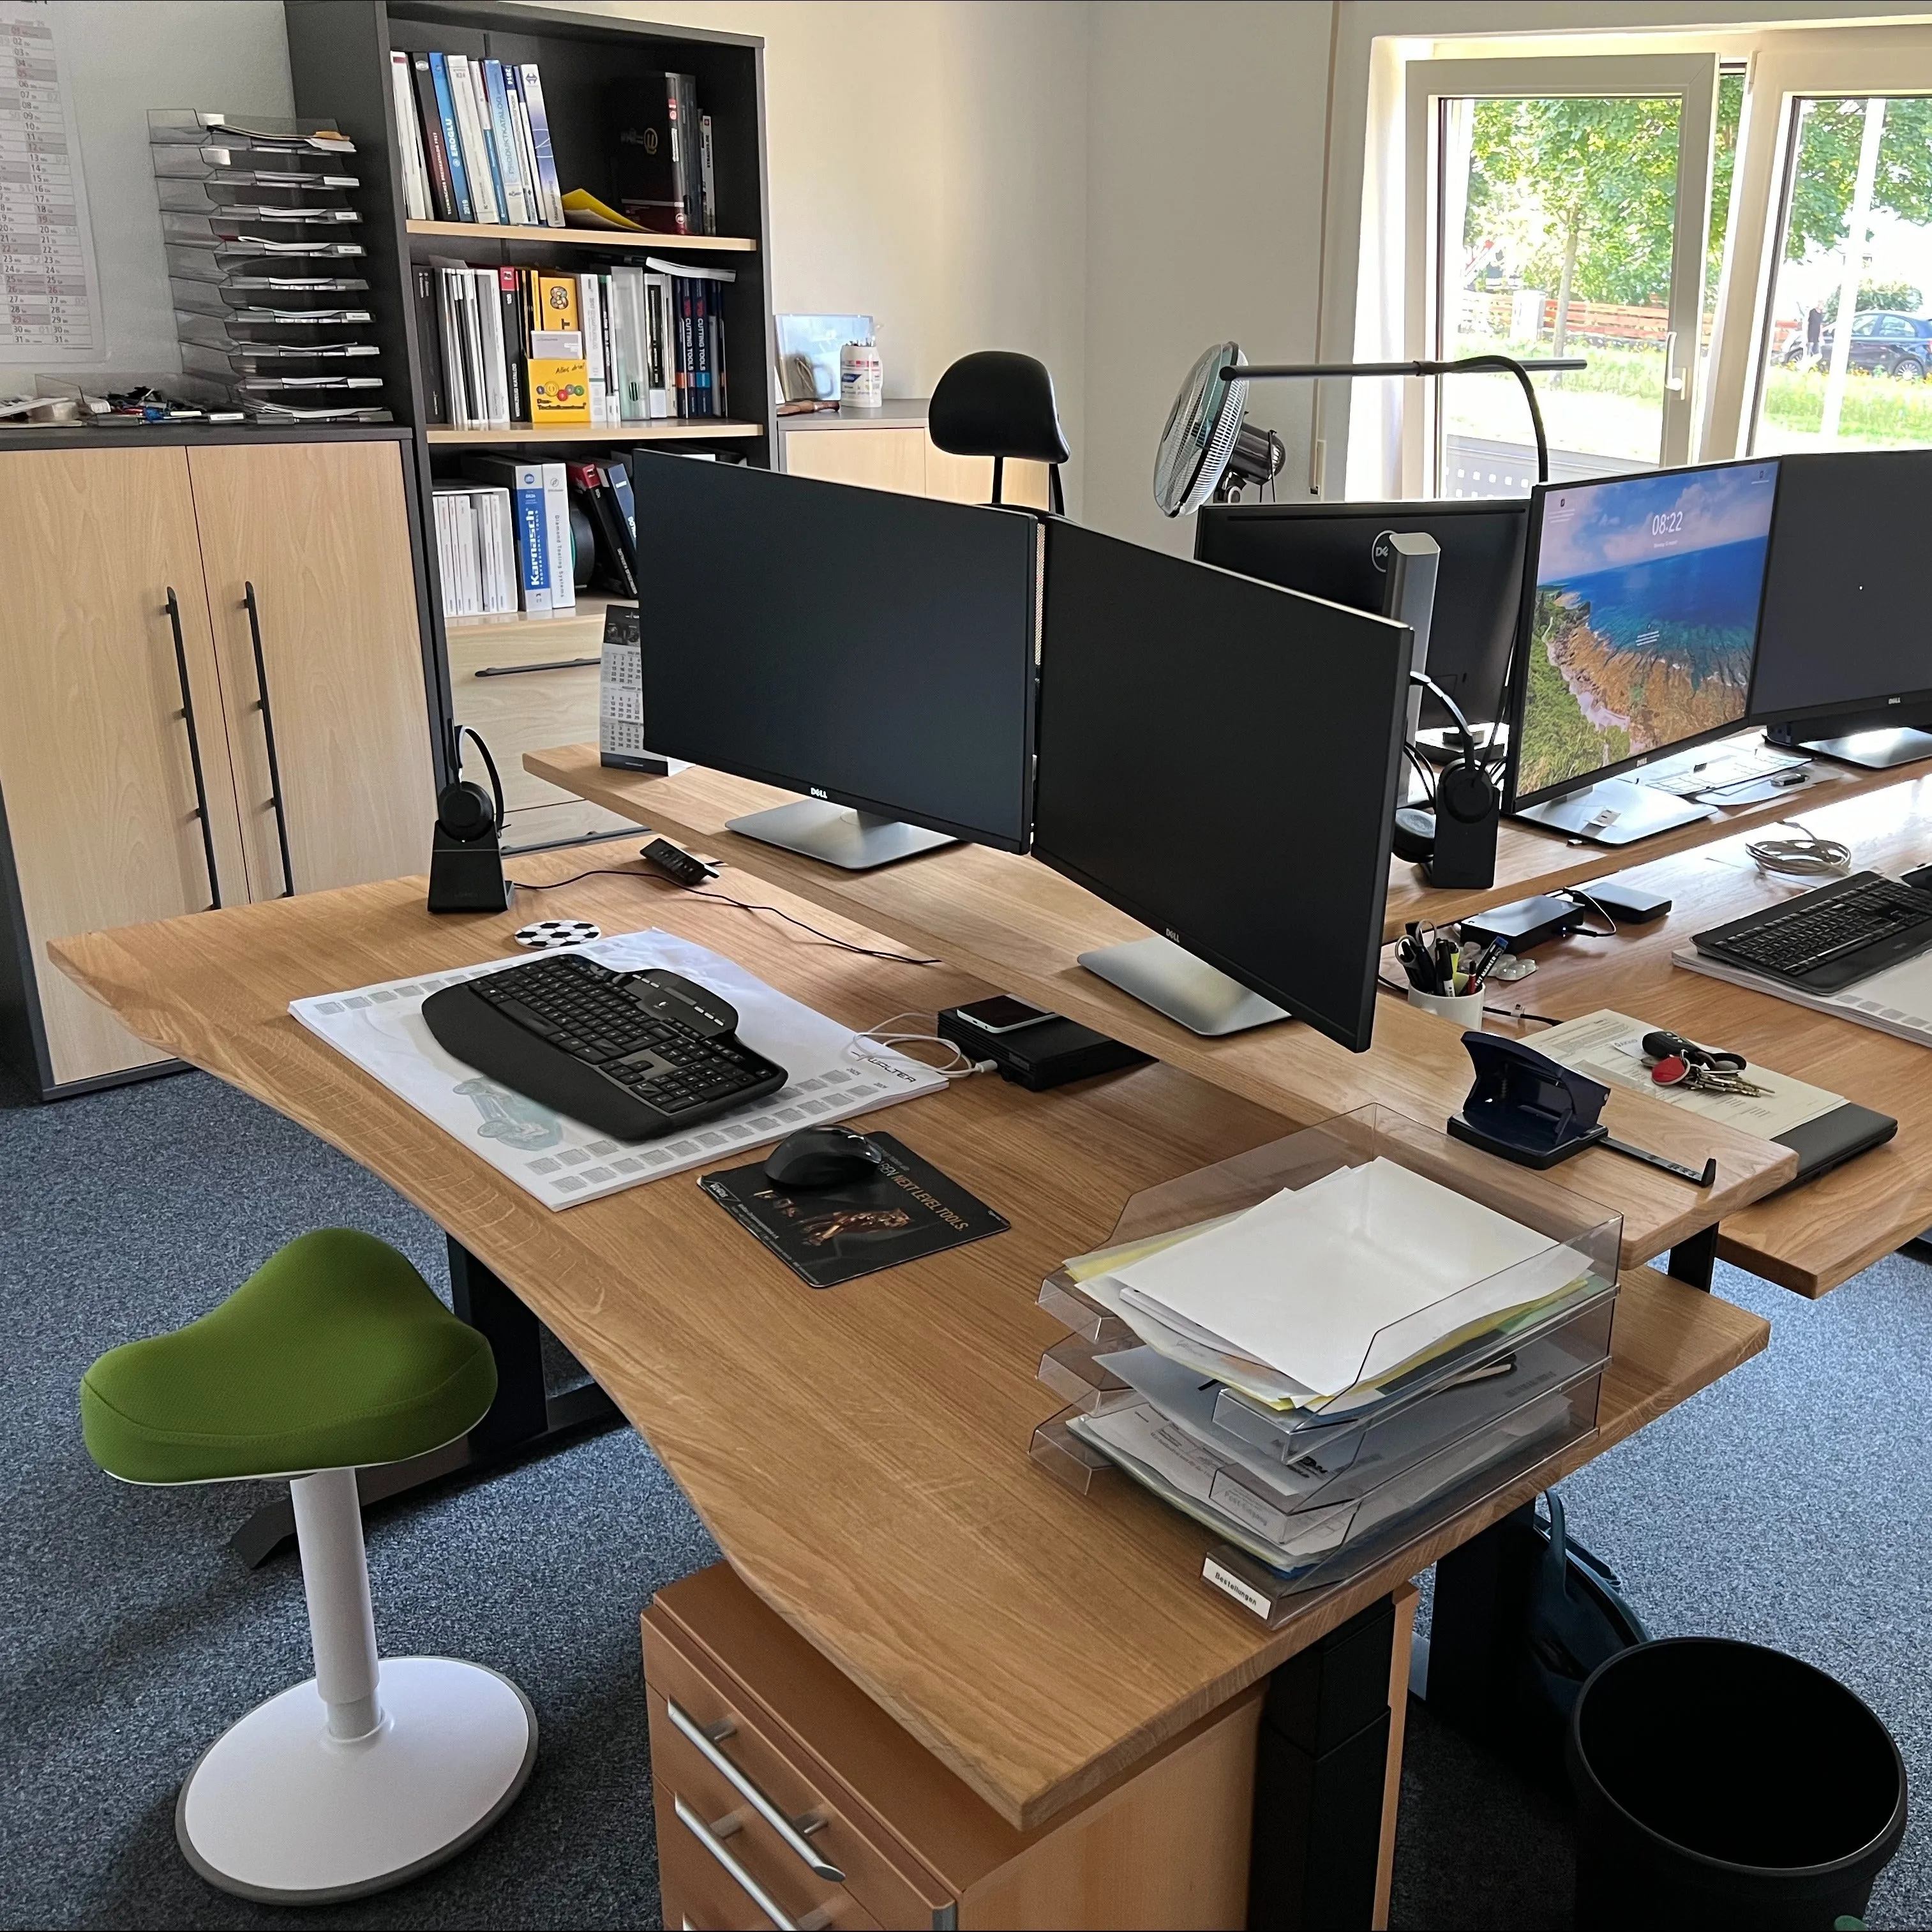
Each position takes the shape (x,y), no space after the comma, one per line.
(1448,1404)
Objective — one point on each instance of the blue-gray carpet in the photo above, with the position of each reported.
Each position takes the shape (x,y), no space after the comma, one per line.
(1788,1505)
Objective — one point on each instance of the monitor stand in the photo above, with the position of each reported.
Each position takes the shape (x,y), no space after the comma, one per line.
(1160,974)
(1613,811)
(854,841)
(1876,751)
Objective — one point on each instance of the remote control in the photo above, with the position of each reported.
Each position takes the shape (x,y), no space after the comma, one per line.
(678,863)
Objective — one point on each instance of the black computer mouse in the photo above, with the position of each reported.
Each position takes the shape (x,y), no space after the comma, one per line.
(821,1157)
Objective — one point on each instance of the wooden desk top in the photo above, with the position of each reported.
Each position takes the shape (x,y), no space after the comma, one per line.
(1814,1237)
(860,1454)
(1530,860)
(1016,923)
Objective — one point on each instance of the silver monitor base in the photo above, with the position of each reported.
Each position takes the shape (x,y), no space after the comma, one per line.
(856,841)
(1201,997)
(1613,811)
(1876,751)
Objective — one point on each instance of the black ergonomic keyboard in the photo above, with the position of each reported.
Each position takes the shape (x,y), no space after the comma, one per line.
(632,1054)
(1824,939)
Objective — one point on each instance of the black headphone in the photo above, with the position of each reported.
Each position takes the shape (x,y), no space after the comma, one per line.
(1465,791)
(465,811)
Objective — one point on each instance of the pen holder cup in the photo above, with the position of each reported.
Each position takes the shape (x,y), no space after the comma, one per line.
(1464,1009)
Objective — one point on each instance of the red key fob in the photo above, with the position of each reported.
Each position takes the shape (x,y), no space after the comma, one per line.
(1670,1069)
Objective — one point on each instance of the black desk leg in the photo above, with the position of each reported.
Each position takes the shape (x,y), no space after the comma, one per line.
(520,1423)
(1693,1261)
(1321,1765)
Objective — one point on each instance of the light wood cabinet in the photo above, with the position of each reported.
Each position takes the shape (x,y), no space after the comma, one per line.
(126,650)
(319,546)
(901,455)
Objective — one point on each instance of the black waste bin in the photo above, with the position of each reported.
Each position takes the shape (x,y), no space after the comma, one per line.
(1720,1784)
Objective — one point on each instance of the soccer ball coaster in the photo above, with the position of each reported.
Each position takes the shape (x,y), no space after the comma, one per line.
(548,933)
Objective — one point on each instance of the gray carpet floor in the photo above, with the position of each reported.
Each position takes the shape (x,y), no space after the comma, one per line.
(1789,1505)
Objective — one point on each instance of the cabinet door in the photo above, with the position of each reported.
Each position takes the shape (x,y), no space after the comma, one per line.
(969,479)
(95,770)
(320,531)
(882,458)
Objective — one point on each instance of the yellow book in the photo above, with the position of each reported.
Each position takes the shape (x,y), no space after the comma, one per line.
(582,209)
(560,391)
(556,301)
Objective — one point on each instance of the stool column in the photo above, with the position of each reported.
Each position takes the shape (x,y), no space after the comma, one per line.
(335,1575)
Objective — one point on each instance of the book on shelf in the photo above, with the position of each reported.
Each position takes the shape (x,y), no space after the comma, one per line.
(603,347)
(657,153)
(594,483)
(408,135)
(476,550)
(449,136)
(545,557)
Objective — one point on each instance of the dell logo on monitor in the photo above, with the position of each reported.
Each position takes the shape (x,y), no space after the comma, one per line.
(1171,934)
(817,792)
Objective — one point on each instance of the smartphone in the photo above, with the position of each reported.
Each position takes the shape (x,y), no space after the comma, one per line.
(1002,1014)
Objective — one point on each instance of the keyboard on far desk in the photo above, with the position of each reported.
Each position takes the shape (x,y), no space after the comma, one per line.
(633,1055)
(1831,937)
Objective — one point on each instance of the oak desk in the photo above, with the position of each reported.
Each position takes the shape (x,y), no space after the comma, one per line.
(1014,921)
(1531,860)
(860,1455)
(1814,1237)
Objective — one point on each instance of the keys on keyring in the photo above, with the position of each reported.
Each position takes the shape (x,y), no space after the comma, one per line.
(1673,1070)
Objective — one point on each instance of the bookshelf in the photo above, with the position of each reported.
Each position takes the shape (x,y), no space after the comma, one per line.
(339,60)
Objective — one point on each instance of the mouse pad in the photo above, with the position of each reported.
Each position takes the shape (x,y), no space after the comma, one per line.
(828,1235)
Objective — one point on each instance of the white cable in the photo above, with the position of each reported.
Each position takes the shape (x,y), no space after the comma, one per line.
(960,1068)
(1807,858)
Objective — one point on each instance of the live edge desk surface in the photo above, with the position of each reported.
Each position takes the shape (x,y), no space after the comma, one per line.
(1015,922)
(859,1454)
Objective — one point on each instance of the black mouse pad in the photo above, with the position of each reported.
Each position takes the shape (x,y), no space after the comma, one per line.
(828,1235)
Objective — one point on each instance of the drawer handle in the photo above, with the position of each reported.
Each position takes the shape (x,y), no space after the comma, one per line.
(710,1839)
(268,734)
(793,1831)
(194,752)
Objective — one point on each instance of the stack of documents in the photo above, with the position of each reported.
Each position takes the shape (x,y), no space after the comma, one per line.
(1336,1357)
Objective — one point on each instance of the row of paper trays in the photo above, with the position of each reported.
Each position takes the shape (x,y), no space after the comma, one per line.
(1304,1499)
(265,263)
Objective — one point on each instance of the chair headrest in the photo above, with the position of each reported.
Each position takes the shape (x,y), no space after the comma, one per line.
(997,403)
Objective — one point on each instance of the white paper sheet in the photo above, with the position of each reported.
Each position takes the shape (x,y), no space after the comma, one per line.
(561,1162)
(1307,1281)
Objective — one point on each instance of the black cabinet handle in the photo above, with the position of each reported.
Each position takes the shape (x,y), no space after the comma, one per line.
(194,753)
(269,734)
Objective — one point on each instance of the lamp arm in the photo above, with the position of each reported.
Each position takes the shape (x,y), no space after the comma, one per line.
(1258,372)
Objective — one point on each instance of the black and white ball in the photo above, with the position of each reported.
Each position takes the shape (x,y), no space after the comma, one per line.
(549,933)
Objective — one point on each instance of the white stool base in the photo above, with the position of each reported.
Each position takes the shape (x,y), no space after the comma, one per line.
(277,1809)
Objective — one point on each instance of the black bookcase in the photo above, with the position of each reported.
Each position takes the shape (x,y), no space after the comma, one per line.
(339,59)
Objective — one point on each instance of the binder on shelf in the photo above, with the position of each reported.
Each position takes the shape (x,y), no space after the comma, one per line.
(562,547)
(524,482)
(628,328)
(452,136)
(430,126)
(409,138)
(540,137)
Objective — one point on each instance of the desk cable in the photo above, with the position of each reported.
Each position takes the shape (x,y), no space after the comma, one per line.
(724,898)
(1808,857)
(959,1067)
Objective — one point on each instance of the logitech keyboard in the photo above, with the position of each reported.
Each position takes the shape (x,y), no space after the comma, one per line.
(1824,939)
(632,1054)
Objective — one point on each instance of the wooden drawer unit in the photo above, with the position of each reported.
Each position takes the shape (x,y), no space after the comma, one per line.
(811,1768)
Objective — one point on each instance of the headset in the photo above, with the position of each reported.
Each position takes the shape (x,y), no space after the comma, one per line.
(1456,839)
(465,866)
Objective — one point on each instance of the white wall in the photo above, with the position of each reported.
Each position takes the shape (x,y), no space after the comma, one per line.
(1206,136)
(928,167)
(123,57)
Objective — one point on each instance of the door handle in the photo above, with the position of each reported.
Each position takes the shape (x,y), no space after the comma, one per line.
(194,752)
(268,736)
(793,1831)
(1676,380)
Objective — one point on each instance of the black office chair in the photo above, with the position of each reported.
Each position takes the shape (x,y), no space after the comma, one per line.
(999,403)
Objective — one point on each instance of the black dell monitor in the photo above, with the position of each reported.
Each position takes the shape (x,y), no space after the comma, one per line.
(1844,653)
(1217,758)
(1340,551)
(1638,633)
(871,652)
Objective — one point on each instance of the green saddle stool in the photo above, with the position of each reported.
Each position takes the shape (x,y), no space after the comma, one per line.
(334,1356)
